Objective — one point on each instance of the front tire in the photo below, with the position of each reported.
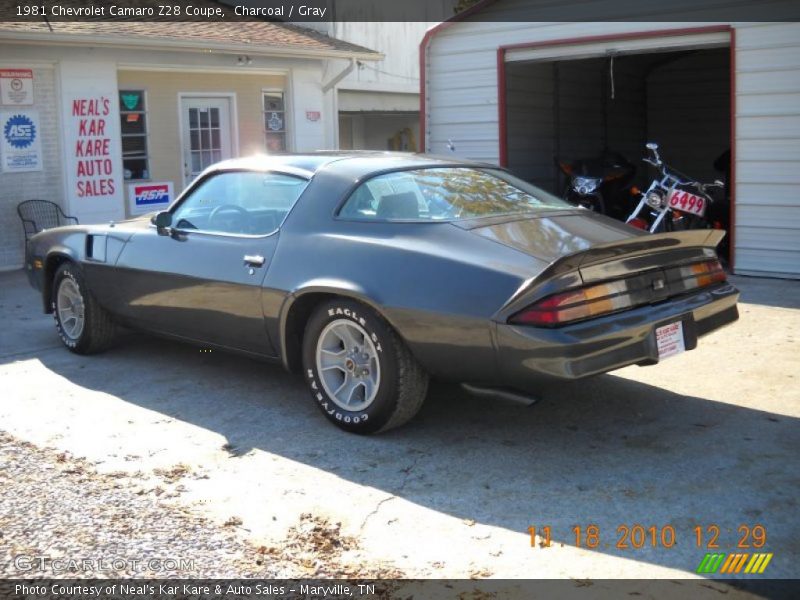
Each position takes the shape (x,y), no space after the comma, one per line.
(83,325)
(359,371)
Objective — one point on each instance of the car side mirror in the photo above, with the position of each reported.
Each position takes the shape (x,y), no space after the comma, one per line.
(162,221)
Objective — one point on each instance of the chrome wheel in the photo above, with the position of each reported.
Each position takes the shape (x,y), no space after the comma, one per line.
(348,365)
(70,307)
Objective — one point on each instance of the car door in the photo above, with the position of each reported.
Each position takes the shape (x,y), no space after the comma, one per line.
(201,278)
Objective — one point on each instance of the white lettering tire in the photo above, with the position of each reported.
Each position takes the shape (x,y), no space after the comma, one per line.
(82,324)
(390,384)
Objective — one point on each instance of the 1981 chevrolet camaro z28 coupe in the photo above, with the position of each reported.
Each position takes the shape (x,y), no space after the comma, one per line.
(369,273)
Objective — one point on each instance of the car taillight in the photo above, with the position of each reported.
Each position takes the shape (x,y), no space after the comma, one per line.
(575,305)
(605,298)
(702,274)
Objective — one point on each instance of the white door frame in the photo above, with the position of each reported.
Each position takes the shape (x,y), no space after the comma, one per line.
(234,121)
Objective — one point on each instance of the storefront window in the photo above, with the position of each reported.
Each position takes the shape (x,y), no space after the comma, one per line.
(133,116)
(275,121)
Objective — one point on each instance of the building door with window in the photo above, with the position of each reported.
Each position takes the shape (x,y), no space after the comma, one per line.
(206,134)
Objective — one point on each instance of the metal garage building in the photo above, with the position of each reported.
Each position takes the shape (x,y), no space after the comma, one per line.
(499,87)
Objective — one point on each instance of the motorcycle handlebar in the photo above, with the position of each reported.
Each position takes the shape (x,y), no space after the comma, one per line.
(674,176)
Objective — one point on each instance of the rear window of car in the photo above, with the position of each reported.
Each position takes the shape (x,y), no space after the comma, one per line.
(445,194)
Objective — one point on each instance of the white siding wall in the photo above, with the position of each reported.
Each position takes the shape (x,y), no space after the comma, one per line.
(398,71)
(768,149)
(47,184)
(461,104)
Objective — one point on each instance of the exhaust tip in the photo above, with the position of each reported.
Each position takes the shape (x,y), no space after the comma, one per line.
(501,394)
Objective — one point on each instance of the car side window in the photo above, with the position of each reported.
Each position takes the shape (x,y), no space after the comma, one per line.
(390,196)
(239,202)
(443,194)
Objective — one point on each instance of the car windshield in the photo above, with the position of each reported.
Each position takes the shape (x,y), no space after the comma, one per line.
(441,194)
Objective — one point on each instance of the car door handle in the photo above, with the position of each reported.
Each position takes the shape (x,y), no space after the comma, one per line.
(254,260)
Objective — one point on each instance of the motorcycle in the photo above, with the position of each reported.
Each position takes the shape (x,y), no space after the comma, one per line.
(674,202)
(600,184)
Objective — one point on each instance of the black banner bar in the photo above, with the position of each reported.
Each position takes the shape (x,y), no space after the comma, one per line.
(220,589)
(322,11)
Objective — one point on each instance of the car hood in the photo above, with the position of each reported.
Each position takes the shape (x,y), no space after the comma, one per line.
(552,234)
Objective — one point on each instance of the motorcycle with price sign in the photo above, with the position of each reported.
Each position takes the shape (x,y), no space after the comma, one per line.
(673,202)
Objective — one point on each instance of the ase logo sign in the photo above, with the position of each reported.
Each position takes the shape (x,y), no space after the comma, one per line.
(20,147)
(147,197)
(20,132)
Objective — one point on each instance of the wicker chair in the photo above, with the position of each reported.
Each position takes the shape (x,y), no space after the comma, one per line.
(37,215)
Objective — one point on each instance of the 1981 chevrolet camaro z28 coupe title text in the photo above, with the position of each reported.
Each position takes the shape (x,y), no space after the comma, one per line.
(369,273)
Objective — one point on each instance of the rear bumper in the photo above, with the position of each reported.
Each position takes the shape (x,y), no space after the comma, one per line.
(527,354)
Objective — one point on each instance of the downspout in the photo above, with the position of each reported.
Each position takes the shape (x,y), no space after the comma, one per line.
(334,101)
(344,73)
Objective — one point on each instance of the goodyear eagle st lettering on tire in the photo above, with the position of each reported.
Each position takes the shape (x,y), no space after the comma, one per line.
(359,371)
(82,324)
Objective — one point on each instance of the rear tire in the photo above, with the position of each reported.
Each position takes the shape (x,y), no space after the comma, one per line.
(83,325)
(360,373)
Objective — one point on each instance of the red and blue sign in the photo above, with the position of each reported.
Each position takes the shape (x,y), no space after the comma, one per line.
(147,197)
(151,194)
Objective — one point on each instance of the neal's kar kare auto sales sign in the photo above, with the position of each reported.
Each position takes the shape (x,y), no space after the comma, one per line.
(149,197)
(93,165)
(21,148)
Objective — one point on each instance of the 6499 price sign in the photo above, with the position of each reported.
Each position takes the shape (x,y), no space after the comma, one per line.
(687,202)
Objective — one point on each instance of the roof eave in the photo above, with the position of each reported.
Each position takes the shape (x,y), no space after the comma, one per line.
(184,45)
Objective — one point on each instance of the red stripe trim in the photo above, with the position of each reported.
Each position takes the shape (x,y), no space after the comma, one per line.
(633,35)
(502,108)
(732,182)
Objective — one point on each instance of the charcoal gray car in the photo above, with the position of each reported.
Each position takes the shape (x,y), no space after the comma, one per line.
(371,273)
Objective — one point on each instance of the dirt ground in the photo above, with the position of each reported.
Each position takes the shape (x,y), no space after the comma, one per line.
(707,439)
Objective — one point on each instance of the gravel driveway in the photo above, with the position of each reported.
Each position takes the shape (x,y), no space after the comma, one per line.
(59,517)
(156,450)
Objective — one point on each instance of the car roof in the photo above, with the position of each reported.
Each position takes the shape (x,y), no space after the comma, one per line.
(354,163)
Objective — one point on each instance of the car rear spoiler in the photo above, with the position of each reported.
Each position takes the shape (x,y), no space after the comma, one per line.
(635,247)
(618,259)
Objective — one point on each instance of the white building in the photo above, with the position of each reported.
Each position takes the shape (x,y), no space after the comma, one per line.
(520,93)
(104,117)
(378,102)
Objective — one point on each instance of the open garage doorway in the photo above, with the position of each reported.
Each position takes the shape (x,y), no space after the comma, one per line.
(378,131)
(590,102)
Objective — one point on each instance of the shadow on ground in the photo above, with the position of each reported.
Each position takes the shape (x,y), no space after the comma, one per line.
(780,293)
(605,451)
